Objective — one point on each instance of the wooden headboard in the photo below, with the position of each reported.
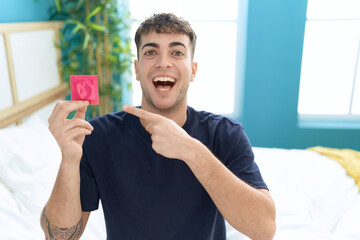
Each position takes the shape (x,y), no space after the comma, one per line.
(30,67)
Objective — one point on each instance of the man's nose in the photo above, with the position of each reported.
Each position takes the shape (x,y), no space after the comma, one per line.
(164,61)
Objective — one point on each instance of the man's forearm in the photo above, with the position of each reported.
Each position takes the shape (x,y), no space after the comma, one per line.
(55,232)
(247,209)
(62,215)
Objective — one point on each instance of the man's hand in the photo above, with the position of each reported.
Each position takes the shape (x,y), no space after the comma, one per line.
(70,134)
(168,138)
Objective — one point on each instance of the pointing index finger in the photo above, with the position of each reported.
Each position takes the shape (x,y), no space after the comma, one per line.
(140,113)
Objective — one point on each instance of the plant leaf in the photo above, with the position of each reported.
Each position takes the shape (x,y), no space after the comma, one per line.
(78,24)
(57,4)
(62,40)
(73,21)
(97,27)
(78,27)
(112,58)
(86,41)
(79,4)
(93,13)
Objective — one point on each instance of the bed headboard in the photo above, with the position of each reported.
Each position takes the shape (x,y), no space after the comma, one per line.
(30,67)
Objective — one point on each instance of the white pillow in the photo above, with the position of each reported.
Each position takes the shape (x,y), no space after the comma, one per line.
(30,164)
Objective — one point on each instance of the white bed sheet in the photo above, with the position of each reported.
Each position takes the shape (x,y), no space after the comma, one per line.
(314,197)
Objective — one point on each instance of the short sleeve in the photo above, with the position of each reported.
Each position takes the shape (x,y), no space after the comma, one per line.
(89,193)
(240,160)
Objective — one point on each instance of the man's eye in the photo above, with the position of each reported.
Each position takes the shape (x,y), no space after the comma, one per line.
(177,53)
(150,53)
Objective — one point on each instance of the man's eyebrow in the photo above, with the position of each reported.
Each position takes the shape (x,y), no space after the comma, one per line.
(155,45)
(173,44)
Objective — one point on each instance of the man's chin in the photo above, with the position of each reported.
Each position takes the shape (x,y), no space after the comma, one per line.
(163,104)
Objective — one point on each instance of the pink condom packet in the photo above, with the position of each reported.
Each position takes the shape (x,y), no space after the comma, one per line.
(85,88)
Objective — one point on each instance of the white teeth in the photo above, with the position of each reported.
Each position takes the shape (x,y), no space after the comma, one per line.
(164,79)
(163,89)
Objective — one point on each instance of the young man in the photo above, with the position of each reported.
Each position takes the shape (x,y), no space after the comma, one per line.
(162,171)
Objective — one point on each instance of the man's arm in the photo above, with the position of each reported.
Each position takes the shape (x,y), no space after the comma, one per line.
(54,232)
(62,217)
(247,209)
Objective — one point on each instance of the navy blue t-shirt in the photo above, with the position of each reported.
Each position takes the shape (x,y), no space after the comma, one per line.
(147,196)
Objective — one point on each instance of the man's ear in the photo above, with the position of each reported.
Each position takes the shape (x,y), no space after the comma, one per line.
(136,67)
(193,71)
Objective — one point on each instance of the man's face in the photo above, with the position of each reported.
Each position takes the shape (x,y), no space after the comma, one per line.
(164,69)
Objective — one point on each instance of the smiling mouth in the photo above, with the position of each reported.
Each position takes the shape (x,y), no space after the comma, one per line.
(163,83)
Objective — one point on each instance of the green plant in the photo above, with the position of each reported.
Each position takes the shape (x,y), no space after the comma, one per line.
(95,41)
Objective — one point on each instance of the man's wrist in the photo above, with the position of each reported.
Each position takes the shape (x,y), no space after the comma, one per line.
(69,164)
(195,152)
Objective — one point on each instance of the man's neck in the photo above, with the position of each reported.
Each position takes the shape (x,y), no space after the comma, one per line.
(178,113)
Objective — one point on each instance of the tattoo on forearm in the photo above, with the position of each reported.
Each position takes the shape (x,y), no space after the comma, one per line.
(53,232)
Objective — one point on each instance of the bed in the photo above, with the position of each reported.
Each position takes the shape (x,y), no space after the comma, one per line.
(314,196)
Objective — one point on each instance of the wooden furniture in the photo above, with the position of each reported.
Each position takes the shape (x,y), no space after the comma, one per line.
(30,66)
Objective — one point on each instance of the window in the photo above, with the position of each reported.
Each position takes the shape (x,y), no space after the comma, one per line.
(330,72)
(216,26)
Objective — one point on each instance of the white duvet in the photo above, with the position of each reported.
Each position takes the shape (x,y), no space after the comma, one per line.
(314,197)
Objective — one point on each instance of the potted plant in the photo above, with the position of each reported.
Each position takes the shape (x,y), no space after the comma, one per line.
(95,41)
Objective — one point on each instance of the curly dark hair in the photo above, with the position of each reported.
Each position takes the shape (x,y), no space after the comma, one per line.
(165,23)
